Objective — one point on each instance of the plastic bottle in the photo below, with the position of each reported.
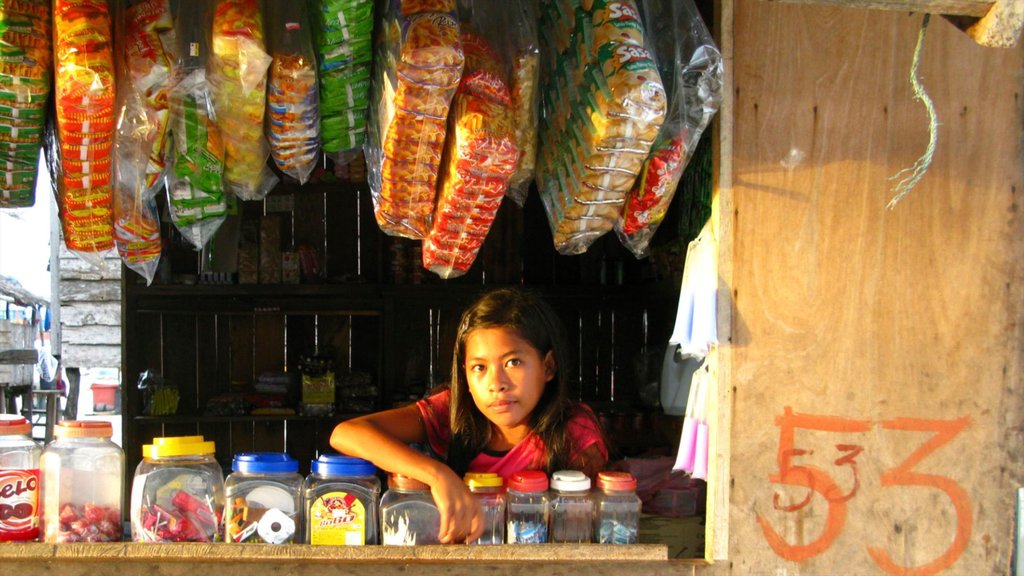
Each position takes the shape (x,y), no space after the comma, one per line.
(572,508)
(263,499)
(408,515)
(490,491)
(178,492)
(528,508)
(616,509)
(82,483)
(340,497)
(19,480)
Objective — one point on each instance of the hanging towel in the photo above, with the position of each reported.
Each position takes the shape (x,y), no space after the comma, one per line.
(694,440)
(696,317)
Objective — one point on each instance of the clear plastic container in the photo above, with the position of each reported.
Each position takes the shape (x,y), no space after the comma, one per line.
(83,483)
(263,499)
(616,509)
(489,489)
(340,498)
(572,508)
(408,515)
(19,480)
(528,508)
(178,492)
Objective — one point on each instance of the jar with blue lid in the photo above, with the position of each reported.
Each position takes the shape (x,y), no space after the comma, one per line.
(263,499)
(340,497)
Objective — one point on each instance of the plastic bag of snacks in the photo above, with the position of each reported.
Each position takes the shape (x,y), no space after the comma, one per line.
(237,74)
(344,46)
(84,79)
(25,71)
(480,157)
(417,73)
(691,67)
(140,140)
(524,82)
(603,104)
(293,115)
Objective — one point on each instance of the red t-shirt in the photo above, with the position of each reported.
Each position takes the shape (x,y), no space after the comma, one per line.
(529,454)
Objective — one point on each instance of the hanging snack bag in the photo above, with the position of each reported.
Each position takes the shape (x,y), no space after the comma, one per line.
(417,72)
(84,79)
(237,74)
(480,157)
(25,70)
(344,47)
(525,80)
(293,116)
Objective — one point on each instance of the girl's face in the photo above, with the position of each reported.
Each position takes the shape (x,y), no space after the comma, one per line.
(506,377)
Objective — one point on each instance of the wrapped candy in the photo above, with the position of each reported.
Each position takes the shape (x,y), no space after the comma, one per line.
(25,71)
(293,109)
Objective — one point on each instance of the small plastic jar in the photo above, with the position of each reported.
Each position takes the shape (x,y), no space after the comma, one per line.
(340,499)
(616,509)
(572,508)
(19,480)
(489,489)
(408,515)
(263,499)
(177,492)
(83,483)
(528,508)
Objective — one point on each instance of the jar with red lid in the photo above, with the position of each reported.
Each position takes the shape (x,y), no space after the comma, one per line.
(616,509)
(527,508)
(82,483)
(19,480)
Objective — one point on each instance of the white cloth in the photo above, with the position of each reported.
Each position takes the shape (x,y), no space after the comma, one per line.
(696,326)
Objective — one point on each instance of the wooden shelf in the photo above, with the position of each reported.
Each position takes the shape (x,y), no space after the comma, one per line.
(184,419)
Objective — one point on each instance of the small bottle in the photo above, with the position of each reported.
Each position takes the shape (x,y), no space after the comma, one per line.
(489,489)
(408,515)
(263,499)
(616,509)
(528,508)
(572,508)
(340,497)
(178,492)
(19,480)
(83,483)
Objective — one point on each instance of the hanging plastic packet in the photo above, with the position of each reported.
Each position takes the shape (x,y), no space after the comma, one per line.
(525,85)
(691,67)
(84,97)
(344,47)
(196,198)
(293,113)
(237,75)
(419,69)
(26,69)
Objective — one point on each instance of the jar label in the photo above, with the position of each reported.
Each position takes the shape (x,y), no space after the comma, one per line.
(19,504)
(337,518)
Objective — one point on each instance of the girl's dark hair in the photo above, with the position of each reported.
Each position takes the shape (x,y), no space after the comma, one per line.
(537,323)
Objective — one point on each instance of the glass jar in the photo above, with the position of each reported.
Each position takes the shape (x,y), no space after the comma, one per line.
(616,509)
(341,495)
(83,483)
(489,489)
(177,492)
(19,480)
(572,508)
(263,499)
(528,507)
(408,515)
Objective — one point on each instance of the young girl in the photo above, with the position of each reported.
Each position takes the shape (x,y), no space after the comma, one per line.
(506,410)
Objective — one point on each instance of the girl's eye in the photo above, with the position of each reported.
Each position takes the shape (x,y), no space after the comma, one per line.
(476,368)
(513,362)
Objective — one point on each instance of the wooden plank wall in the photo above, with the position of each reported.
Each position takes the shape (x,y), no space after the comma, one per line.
(90,313)
(875,354)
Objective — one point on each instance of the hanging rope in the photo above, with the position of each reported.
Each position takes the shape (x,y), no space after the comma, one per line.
(909,177)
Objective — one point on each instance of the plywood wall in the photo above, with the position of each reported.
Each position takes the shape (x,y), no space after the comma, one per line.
(875,354)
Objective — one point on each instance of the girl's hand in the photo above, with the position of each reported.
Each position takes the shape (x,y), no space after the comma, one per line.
(462,518)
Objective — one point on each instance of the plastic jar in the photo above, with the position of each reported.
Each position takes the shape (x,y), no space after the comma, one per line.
(528,508)
(341,495)
(489,489)
(616,509)
(263,499)
(408,515)
(177,492)
(83,483)
(19,480)
(572,508)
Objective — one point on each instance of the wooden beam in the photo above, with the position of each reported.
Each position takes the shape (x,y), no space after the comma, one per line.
(18,357)
(976,8)
(999,28)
